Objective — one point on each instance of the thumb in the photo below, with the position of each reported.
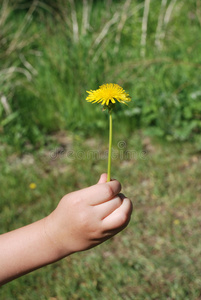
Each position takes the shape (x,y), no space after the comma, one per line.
(103,178)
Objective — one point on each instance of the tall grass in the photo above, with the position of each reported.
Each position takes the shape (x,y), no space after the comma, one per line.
(151,48)
(15,70)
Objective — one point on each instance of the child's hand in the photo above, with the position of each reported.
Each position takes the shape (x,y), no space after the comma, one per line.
(82,220)
(86,218)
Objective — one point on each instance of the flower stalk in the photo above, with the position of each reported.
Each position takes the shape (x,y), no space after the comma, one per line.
(108,95)
(110,147)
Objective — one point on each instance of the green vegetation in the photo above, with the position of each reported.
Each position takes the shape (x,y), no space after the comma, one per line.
(157,257)
(51,52)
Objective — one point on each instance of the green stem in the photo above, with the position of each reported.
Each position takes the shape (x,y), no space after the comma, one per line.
(110,147)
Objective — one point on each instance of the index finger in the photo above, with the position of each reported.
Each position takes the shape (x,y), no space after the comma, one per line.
(102,192)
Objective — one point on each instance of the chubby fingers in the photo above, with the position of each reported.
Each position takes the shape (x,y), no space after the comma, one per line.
(105,209)
(102,192)
(120,217)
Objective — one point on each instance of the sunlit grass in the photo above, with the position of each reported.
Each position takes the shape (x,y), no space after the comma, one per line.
(156,257)
(60,51)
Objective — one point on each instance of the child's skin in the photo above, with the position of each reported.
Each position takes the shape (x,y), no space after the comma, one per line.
(82,220)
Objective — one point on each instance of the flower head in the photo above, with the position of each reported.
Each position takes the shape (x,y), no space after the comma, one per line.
(108,94)
(32,186)
(176,222)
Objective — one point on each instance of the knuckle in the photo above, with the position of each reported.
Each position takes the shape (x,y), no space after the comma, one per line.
(75,204)
(109,191)
(117,186)
(112,189)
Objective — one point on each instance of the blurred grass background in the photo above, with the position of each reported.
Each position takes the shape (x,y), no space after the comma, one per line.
(50,54)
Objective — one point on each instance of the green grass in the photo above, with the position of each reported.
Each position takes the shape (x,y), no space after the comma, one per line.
(45,70)
(158,256)
(54,66)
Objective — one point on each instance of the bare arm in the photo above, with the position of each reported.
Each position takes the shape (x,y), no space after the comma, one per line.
(24,250)
(82,220)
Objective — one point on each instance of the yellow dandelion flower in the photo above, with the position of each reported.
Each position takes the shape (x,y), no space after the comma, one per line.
(32,186)
(176,222)
(107,94)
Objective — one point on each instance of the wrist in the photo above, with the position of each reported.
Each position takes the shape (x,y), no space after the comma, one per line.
(53,235)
